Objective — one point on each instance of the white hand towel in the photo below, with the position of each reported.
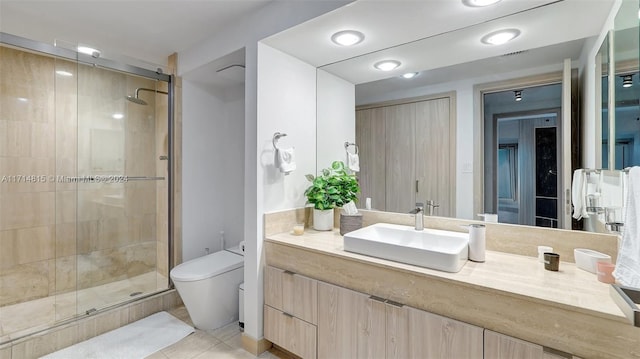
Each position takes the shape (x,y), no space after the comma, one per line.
(353,162)
(611,189)
(578,194)
(286,159)
(627,270)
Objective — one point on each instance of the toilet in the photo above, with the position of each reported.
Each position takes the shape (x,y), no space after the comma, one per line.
(208,287)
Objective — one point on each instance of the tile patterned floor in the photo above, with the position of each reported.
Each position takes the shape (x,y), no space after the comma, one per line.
(223,343)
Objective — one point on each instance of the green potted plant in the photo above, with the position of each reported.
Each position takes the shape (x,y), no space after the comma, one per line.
(333,188)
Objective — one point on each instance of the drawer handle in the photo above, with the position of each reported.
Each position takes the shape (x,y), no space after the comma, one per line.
(377,299)
(395,304)
(287,314)
(289,272)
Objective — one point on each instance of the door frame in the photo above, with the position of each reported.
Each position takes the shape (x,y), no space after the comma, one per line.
(478,129)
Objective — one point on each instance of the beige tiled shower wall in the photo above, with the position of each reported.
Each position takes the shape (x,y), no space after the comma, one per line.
(58,236)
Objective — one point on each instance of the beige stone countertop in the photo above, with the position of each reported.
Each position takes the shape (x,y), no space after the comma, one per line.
(570,288)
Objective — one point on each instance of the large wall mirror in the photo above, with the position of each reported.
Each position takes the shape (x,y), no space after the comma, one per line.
(440,43)
(621,90)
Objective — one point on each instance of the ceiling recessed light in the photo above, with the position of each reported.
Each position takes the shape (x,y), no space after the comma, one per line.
(410,75)
(118,116)
(518,95)
(64,73)
(387,65)
(347,37)
(500,37)
(479,3)
(89,51)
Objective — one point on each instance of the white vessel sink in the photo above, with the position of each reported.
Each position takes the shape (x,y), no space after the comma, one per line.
(431,248)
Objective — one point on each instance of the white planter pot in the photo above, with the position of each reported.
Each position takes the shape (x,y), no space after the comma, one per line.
(323,219)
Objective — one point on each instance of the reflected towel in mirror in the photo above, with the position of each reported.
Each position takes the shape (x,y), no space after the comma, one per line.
(285,159)
(353,162)
(578,194)
(627,270)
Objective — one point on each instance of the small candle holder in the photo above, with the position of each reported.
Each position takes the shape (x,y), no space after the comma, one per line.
(298,229)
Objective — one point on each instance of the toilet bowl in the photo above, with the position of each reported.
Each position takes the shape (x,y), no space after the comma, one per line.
(208,287)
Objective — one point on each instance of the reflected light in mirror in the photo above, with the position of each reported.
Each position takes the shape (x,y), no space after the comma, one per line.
(64,73)
(518,95)
(627,80)
(118,116)
(387,65)
(410,75)
(479,3)
(347,37)
(500,37)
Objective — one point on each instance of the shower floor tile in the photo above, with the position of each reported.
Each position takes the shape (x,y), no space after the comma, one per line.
(20,319)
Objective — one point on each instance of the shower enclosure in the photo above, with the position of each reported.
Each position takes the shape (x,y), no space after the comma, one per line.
(84,185)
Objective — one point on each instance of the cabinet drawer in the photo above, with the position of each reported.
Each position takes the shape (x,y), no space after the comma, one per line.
(291,293)
(290,333)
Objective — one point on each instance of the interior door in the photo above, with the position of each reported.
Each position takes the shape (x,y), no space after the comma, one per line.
(400,130)
(433,162)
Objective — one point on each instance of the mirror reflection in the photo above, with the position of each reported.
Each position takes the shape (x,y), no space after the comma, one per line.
(448,76)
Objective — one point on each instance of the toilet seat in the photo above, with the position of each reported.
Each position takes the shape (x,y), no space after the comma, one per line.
(207,266)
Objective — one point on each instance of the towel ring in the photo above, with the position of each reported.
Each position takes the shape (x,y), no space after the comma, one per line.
(276,137)
(347,144)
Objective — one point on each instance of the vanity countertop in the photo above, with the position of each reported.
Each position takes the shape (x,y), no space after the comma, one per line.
(511,294)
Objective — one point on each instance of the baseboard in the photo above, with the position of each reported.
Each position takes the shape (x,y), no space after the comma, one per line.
(255,346)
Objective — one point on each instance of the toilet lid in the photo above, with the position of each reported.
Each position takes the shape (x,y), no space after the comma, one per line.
(207,266)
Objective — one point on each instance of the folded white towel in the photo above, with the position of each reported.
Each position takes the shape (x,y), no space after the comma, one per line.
(286,159)
(578,194)
(353,162)
(611,189)
(627,270)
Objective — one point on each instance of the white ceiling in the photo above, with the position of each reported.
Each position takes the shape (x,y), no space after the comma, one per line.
(147,30)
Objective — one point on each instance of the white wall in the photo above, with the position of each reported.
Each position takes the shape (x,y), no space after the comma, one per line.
(201,219)
(213,170)
(287,104)
(272,18)
(336,113)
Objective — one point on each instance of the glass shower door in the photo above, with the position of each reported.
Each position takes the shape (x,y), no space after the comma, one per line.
(122,189)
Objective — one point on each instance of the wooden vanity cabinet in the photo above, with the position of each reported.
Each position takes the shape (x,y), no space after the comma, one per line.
(500,346)
(291,311)
(314,319)
(351,324)
(435,336)
(355,325)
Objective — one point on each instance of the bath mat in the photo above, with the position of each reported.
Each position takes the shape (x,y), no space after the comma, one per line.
(136,340)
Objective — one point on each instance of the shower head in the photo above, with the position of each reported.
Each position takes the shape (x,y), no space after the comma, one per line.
(136,99)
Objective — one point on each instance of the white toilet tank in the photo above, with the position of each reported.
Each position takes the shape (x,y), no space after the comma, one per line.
(208,287)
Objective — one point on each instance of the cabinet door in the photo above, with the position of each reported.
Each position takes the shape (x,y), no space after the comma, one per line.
(397,336)
(300,296)
(291,293)
(370,137)
(436,155)
(400,149)
(291,333)
(433,336)
(273,287)
(352,325)
(500,346)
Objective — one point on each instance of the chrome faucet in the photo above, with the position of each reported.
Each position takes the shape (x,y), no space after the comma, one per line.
(419,211)
(431,205)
